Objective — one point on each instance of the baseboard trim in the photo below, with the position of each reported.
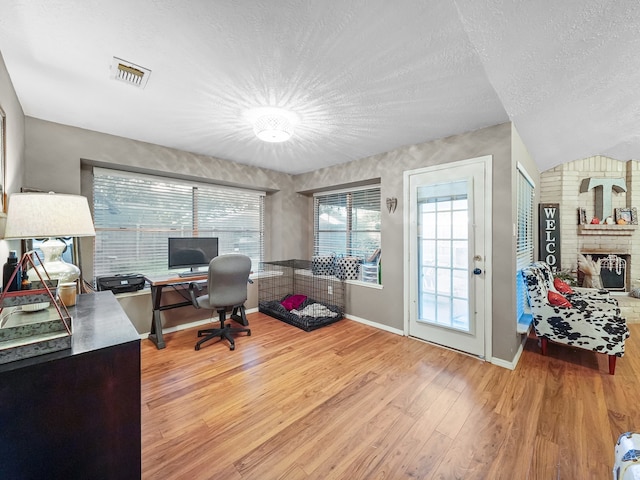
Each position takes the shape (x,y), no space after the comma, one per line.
(495,361)
(379,326)
(512,364)
(186,326)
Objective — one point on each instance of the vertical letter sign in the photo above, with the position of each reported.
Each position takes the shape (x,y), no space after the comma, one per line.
(549,234)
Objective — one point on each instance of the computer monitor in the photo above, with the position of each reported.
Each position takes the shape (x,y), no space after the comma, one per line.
(192,252)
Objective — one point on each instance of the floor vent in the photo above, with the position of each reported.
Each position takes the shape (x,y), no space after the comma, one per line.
(130,73)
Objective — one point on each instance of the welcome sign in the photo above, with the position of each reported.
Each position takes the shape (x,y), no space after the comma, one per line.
(549,234)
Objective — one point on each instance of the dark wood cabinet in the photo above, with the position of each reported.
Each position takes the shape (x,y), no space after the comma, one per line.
(76,413)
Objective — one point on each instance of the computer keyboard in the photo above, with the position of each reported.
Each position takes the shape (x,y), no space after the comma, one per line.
(191,274)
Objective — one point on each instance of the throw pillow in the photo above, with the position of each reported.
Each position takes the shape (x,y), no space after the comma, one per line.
(558,300)
(562,286)
(323,264)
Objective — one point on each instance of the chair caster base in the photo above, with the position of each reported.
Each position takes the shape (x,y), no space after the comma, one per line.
(224,332)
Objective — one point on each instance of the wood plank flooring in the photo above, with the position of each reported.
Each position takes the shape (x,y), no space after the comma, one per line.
(350,401)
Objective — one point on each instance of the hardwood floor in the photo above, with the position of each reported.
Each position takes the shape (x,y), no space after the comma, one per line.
(350,401)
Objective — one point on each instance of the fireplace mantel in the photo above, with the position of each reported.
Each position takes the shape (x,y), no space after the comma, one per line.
(604,229)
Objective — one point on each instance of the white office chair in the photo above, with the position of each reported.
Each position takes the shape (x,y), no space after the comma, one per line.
(227,290)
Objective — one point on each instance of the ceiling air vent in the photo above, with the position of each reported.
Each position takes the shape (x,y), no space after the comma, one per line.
(130,73)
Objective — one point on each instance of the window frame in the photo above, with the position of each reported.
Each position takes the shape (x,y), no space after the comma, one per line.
(349,231)
(525,241)
(189,196)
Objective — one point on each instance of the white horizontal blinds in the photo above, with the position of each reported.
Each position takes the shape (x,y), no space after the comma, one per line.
(235,217)
(524,242)
(347,223)
(365,223)
(134,216)
(331,224)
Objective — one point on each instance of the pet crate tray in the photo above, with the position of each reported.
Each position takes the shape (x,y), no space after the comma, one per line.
(305,322)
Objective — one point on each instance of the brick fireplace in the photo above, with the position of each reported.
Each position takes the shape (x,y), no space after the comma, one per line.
(562,185)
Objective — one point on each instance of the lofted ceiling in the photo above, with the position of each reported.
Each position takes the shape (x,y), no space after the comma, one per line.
(362,76)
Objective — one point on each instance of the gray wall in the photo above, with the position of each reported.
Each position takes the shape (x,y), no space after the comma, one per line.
(57,156)
(54,153)
(14,149)
(385,306)
(521,155)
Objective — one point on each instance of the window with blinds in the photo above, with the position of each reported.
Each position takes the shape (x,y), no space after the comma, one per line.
(524,243)
(135,214)
(347,223)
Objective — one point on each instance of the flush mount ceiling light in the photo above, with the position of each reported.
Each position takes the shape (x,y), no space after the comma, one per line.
(273,128)
(272,125)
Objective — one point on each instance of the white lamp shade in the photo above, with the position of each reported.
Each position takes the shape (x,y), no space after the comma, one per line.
(39,215)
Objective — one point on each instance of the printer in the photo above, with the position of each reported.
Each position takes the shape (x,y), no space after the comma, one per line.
(126,282)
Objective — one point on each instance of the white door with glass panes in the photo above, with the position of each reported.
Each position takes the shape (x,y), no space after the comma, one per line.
(448,232)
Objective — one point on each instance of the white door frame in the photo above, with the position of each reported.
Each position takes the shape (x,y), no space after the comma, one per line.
(488,219)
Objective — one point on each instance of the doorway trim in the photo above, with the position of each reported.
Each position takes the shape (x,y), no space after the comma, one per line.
(488,237)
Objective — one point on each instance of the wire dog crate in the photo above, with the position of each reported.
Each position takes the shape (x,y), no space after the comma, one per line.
(321,296)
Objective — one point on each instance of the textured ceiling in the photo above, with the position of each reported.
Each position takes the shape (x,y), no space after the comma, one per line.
(363,77)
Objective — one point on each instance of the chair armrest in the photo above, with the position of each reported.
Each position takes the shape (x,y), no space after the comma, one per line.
(586,302)
(194,289)
(592,291)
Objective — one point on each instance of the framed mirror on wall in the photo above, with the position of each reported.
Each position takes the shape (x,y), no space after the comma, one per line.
(3,156)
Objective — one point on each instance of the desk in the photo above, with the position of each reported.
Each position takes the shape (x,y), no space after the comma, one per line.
(157,284)
(75,413)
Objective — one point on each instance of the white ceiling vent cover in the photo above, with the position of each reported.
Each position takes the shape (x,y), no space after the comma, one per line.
(130,73)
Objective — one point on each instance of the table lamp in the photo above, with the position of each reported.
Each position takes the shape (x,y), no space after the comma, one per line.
(50,215)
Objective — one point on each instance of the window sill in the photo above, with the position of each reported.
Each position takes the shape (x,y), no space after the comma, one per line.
(524,323)
(144,291)
(364,284)
(258,275)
